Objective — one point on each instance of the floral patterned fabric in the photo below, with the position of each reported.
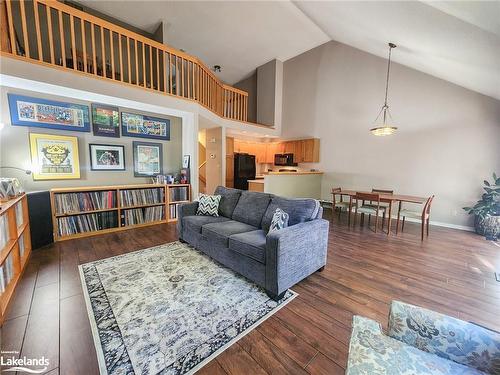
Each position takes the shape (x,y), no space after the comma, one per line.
(371,352)
(447,337)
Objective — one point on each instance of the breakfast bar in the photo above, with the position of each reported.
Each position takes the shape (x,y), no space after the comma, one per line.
(300,184)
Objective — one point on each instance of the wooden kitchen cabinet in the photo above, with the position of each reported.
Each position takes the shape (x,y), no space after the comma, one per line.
(310,150)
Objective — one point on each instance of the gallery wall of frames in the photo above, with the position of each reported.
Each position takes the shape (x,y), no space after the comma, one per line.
(70,143)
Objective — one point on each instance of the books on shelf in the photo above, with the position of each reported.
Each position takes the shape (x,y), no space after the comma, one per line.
(174,211)
(19,214)
(142,215)
(87,223)
(85,201)
(6,273)
(4,231)
(139,197)
(178,193)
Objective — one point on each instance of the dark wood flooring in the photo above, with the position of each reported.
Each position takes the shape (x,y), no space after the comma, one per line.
(451,272)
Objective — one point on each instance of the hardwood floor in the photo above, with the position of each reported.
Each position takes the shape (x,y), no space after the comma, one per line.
(451,272)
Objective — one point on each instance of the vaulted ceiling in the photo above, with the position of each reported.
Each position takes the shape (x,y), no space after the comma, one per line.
(452,40)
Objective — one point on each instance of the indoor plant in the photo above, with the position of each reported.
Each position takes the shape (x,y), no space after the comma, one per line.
(487,210)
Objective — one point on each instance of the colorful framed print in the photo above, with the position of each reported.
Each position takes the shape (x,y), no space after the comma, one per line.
(107,157)
(134,125)
(43,113)
(54,157)
(105,120)
(148,159)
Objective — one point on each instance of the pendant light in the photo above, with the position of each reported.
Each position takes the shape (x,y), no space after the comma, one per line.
(384,128)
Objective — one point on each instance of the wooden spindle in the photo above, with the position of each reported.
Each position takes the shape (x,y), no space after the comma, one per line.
(94,53)
(112,54)
(164,59)
(129,65)
(143,48)
(103,51)
(51,39)
(84,44)
(136,63)
(182,77)
(73,43)
(171,90)
(158,86)
(151,83)
(61,36)
(25,29)
(37,30)
(12,35)
(120,52)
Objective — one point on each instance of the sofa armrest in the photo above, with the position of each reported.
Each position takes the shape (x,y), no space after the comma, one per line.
(294,253)
(185,209)
(445,336)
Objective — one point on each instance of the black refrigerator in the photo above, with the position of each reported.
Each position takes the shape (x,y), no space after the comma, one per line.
(244,170)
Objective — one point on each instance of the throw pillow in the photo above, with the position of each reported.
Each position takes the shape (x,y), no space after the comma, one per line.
(208,205)
(279,221)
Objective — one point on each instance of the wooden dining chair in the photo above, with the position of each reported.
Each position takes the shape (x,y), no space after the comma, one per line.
(424,216)
(383,206)
(373,208)
(340,204)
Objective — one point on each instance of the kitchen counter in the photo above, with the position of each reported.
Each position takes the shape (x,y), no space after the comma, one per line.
(289,184)
(294,173)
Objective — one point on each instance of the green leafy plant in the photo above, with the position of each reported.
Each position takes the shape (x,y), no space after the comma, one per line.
(489,204)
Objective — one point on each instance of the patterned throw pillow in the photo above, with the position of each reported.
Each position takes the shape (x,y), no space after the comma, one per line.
(208,205)
(279,221)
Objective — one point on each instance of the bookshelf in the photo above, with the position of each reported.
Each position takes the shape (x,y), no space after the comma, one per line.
(86,211)
(15,247)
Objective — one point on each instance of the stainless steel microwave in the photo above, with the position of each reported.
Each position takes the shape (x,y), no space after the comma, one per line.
(284,159)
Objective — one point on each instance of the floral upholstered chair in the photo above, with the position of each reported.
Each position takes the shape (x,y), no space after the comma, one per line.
(422,341)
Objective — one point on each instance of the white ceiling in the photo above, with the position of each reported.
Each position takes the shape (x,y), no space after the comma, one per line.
(458,41)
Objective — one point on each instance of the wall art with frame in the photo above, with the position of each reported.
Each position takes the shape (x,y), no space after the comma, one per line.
(51,114)
(107,157)
(54,157)
(148,159)
(135,125)
(105,120)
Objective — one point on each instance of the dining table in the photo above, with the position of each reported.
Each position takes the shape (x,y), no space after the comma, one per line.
(384,197)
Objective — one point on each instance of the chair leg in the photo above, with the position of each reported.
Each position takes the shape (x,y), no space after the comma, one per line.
(340,211)
(422,231)
(383,220)
(397,223)
(428,227)
(376,223)
(369,219)
(403,224)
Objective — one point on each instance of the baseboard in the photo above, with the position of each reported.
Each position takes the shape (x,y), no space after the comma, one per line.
(445,225)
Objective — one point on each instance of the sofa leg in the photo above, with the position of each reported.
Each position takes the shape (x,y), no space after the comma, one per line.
(275,297)
(181,240)
(321,269)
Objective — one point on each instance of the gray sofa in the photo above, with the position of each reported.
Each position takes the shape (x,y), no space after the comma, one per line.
(239,239)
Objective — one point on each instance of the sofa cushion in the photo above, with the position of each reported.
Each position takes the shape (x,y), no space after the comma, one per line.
(298,210)
(372,352)
(208,205)
(220,232)
(251,244)
(229,199)
(251,207)
(196,222)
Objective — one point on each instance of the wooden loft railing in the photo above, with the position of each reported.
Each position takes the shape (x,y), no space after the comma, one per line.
(51,33)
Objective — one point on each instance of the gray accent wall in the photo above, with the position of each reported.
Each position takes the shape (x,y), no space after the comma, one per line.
(15,149)
(250,86)
(446,144)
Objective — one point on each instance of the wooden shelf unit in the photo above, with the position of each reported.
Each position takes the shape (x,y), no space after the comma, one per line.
(119,207)
(17,247)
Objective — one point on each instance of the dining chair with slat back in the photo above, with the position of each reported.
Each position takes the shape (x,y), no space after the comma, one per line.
(341,204)
(369,209)
(383,206)
(424,216)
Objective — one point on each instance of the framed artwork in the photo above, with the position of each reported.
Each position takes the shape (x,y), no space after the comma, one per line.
(54,157)
(107,157)
(185,161)
(148,159)
(43,113)
(134,125)
(105,120)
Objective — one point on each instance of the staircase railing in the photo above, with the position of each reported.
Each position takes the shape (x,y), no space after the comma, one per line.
(52,33)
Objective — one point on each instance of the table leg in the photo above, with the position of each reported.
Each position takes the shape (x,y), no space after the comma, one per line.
(389,219)
(399,214)
(349,213)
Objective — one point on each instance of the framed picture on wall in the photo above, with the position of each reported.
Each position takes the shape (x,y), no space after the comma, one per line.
(148,159)
(43,113)
(105,120)
(134,125)
(185,161)
(107,157)
(54,157)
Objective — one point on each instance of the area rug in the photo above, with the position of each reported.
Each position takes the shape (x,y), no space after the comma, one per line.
(168,309)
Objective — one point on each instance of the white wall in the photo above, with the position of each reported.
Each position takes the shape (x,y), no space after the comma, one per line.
(448,137)
(15,149)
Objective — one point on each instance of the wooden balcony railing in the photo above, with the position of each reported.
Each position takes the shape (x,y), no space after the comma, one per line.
(51,33)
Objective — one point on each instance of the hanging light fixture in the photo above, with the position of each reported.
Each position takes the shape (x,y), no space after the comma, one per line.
(384,128)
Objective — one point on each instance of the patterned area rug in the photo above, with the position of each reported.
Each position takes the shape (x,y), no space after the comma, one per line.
(168,309)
